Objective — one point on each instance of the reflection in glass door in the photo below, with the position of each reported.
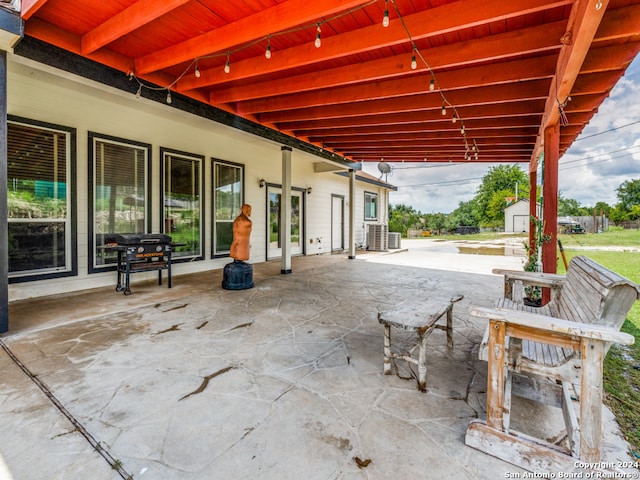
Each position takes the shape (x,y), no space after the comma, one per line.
(276,226)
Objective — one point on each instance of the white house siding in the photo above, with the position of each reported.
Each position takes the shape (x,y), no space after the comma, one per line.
(44,94)
(516,217)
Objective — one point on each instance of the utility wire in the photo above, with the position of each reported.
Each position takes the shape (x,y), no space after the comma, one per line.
(607,131)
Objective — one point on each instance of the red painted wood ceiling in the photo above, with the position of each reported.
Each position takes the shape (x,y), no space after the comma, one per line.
(502,67)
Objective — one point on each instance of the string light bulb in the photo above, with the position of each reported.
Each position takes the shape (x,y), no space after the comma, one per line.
(385,18)
(197,71)
(139,92)
(454,119)
(462,129)
(169,96)
(598,5)
(227,66)
(267,52)
(444,110)
(414,62)
(432,85)
(318,41)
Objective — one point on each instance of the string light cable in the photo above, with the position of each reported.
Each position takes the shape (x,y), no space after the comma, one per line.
(268,52)
(432,85)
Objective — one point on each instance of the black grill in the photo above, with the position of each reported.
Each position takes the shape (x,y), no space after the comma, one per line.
(141,252)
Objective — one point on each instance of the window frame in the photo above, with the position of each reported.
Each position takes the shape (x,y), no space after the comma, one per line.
(368,196)
(71,222)
(92,138)
(187,156)
(241,168)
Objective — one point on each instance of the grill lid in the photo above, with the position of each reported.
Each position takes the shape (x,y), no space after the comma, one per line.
(140,238)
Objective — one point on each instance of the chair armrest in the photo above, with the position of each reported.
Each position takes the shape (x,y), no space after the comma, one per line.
(551,280)
(555,326)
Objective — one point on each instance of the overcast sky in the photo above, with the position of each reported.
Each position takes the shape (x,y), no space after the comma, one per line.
(606,154)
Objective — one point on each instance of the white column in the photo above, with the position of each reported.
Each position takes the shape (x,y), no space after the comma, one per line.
(352,213)
(285,209)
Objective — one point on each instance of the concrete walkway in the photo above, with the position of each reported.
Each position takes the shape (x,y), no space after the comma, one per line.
(282,381)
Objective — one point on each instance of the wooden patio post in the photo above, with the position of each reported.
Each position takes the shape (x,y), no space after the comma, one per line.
(550,207)
(533,207)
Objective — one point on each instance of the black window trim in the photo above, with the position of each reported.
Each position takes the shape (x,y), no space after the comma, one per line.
(90,204)
(73,261)
(203,210)
(215,160)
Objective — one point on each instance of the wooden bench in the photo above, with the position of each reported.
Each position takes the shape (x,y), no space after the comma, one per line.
(422,319)
(542,353)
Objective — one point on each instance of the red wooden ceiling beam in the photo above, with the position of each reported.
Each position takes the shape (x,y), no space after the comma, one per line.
(618,23)
(531,108)
(30,7)
(71,42)
(594,83)
(519,122)
(285,15)
(440,133)
(424,140)
(446,159)
(429,23)
(585,103)
(605,58)
(610,58)
(495,47)
(353,152)
(472,96)
(494,74)
(130,19)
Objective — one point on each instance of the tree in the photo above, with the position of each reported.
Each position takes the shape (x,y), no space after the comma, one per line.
(502,178)
(568,206)
(494,213)
(465,215)
(603,208)
(437,222)
(402,217)
(629,194)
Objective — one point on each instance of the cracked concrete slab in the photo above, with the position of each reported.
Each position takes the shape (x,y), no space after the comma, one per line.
(283,381)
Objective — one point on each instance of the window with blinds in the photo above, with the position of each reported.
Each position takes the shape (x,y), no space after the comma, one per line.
(119,189)
(182,205)
(228,196)
(39,161)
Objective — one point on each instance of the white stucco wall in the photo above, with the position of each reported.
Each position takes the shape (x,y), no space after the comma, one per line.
(44,94)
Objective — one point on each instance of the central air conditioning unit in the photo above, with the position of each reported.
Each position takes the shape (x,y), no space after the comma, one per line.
(394,240)
(377,238)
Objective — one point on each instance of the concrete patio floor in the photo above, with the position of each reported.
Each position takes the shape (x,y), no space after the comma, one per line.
(282,381)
